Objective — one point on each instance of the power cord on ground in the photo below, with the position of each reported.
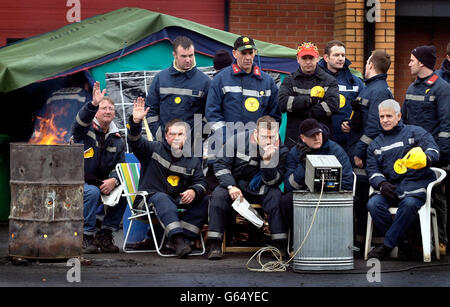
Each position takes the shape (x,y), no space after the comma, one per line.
(278,265)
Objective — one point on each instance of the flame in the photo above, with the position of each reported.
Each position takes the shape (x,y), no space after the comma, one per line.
(48,133)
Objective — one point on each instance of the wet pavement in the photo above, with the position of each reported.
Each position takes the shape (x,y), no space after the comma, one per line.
(151,270)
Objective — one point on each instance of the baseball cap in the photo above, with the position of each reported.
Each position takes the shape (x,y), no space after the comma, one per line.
(310,126)
(244,43)
(307,48)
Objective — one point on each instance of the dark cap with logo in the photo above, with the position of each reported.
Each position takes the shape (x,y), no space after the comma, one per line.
(310,126)
(244,43)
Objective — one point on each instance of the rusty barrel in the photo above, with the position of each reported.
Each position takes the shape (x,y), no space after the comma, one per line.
(46,213)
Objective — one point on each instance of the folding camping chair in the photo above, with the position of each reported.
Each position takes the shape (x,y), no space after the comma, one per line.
(129,178)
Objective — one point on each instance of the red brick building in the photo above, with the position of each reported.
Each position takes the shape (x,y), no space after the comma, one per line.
(400,25)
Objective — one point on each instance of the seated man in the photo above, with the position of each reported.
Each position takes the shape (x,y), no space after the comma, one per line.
(172,180)
(314,137)
(405,189)
(251,166)
(104,148)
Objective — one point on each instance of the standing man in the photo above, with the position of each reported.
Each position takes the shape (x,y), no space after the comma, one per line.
(241,93)
(179,91)
(307,93)
(444,72)
(172,180)
(104,148)
(364,125)
(253,167)
(405,189)
(335,64)
(427,104)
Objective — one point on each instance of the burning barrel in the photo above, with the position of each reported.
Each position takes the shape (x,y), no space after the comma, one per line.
(46,219)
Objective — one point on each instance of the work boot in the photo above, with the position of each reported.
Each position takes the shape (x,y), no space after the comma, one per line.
(215,249)
(281,245)
(89,246)
(380,252)
(105,241)
(182,247)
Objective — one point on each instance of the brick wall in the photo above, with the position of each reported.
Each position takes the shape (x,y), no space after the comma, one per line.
(349,28)
(413,32)
(385,36)
(284,22)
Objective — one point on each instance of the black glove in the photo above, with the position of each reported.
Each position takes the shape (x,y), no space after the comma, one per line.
(315,100)
(429,162)
(388,190)
(303,150)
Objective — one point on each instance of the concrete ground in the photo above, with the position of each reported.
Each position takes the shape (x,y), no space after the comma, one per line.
(151,270)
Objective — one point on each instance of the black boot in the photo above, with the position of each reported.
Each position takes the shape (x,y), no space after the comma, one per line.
(182,247)
(380,252)
(105,241)
(215,249)
(281,245)
(88,245)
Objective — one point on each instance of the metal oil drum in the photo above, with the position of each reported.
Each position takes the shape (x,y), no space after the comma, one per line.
(329,245)
(46,209)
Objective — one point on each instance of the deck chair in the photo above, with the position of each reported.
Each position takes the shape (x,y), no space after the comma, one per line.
(426,213)
(129,178)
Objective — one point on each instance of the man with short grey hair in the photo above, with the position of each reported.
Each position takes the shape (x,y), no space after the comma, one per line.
(396,184)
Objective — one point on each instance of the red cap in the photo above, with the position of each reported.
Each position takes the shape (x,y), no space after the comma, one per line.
(307,48)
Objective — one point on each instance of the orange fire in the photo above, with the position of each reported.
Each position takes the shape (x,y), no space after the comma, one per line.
(48,133)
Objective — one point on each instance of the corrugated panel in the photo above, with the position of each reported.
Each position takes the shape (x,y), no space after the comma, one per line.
(26,18)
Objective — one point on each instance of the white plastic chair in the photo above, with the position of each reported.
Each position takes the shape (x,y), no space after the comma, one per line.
(129,178)
(426,213)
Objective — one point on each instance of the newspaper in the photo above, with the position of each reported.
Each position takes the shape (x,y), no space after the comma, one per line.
(249,213)
(112,198)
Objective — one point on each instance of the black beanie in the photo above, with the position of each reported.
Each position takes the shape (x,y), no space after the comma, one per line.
(222,59)
(426,55)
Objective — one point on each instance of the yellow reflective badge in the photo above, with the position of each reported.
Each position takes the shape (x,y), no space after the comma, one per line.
(245,39)
(173,180)
(177,100)
(341,101)
(89,153)
(251,104)
(426,92)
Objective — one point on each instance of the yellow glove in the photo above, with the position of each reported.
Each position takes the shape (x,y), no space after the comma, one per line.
(414,159)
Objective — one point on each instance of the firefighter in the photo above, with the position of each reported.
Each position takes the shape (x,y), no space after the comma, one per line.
(308,92)
(104,148)
(427,104)
(337,65)
(252,167)
(179,91)
(396,187)
(172,179)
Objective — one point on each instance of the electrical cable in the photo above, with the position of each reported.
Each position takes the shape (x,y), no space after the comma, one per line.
(278,265)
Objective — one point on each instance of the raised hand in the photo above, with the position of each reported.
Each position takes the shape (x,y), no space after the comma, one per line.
(139,110)
(97,94)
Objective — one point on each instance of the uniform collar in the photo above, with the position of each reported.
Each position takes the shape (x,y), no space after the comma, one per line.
(375,78)
(430,80)
(256,71)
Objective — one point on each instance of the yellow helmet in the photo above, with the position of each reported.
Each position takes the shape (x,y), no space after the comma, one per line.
(414,159)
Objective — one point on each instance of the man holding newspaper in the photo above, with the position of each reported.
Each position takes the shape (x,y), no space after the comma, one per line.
(251,166)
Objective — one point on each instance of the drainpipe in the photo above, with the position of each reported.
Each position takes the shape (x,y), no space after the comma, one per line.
(226,15)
